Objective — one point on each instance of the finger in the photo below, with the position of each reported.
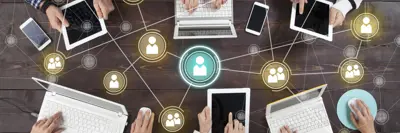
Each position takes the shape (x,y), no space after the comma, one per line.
(40,122)
(301,9)
(358,113)
(62,19)
(362,107)
(287,129)
(353,119)
(55,23)
(146,119)
(241,127)
(236,126)
(187,5)
(151,123)
(133,126)
(98,10)
(226,129)
(104,10)
(332,16)
(208,113)
(48,122)
(54,125)
(367,108)
(230,123)
(283,130)
(338,20)
(60,130)
(139,119)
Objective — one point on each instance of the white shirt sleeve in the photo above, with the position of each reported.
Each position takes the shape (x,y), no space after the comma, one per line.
(344,6)
(195,131)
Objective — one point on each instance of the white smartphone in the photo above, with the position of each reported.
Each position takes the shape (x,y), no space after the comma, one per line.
(35,34)
(256,21)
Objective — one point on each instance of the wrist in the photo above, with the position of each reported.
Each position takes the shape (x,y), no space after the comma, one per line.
(45,5)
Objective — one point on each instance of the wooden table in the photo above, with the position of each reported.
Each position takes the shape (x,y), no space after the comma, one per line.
(21,62)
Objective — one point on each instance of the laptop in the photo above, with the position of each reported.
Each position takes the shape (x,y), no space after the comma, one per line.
(84,24)
(205,22)
(82,112)
(304,112)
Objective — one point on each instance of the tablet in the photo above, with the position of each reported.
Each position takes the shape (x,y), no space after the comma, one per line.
(84,24)
(317,22)
(223,101)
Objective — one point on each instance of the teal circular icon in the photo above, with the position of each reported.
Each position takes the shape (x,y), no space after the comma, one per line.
(199,66)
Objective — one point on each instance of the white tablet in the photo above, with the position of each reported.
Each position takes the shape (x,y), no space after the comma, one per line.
(223,101)
(317,23)
(84,24)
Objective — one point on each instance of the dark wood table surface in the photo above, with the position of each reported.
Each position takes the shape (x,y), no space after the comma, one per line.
(21,62)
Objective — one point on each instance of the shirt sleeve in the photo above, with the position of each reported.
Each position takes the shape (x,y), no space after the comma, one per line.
(344,6)
(195,131)
(34,3)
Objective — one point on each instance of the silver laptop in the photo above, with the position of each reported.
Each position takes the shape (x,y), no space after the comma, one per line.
(82,112)
(304,112)
(205,22)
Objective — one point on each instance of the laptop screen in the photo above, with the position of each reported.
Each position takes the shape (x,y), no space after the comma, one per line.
(296,99)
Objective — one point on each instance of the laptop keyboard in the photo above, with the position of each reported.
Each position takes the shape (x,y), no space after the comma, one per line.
(204,10)
(303,121)
(204,32)
(79,121)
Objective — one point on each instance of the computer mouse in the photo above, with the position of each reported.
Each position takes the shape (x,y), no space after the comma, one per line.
(144,110)
(353,102)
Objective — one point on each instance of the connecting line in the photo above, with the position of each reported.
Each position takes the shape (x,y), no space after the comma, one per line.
(270,40)
(287,53)
(173,55)
(239,71)
(248,76)
(141,15)
(148,87)
(132,64)
(184,96)
(393,105)
(317,73)
(27,55)
(126,57)
(358,51)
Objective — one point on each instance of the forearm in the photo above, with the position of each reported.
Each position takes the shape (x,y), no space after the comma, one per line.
(35,3)
(346,6)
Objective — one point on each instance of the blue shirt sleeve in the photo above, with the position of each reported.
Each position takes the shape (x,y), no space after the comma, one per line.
(34,3)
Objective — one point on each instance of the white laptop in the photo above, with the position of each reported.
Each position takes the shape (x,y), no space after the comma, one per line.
(205,22)
(304,112)
(82,112)
(84,24)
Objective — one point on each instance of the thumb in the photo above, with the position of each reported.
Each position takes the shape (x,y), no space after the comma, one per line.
(61,17)
(332,16)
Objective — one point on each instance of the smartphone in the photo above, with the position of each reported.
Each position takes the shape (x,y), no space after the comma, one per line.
(256,21)
(35,34)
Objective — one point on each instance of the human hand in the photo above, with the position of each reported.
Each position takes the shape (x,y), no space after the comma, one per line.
(286,129)
(233,126)
(205,120)
(301,4)
(143,125)
(56,18)
(218,3)
(365,121)
(190,5)
(48,125)
(335,17)
(103,8)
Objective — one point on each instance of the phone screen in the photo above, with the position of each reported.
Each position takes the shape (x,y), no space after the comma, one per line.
(35,34)
(257,17)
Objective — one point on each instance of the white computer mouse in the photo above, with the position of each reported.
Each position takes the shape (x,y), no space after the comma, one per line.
(144,110)
(353,102)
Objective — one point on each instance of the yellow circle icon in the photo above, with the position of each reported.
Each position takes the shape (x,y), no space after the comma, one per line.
(351,71)
(365,26)
(152,46)
(172,119)
(133,2)
(275,75)
(54,63)
(114,82)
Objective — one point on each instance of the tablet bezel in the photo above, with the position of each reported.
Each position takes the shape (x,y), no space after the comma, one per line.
(210,92)
(294,27)
(84,40)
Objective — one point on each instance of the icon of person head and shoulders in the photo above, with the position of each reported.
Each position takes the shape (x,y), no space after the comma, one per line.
(58,62)
(114,84)
(177,120)
(356,71)
(51,64)
(366,27)
(280,74)
(152,47)
(170,121)
(272,77)
(199,68)
(349,72)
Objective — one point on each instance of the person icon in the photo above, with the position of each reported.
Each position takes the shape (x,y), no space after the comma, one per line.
(51,65)
(152,47)
(356,71)
(281,75)
(170,122)
(114,84)
(366,27)
(349,72)
(58,62)
(272,78)
(199,69)
(177,120)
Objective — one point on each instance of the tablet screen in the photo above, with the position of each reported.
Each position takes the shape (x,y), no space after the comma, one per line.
(222,104)
(83,22)
(318,20)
